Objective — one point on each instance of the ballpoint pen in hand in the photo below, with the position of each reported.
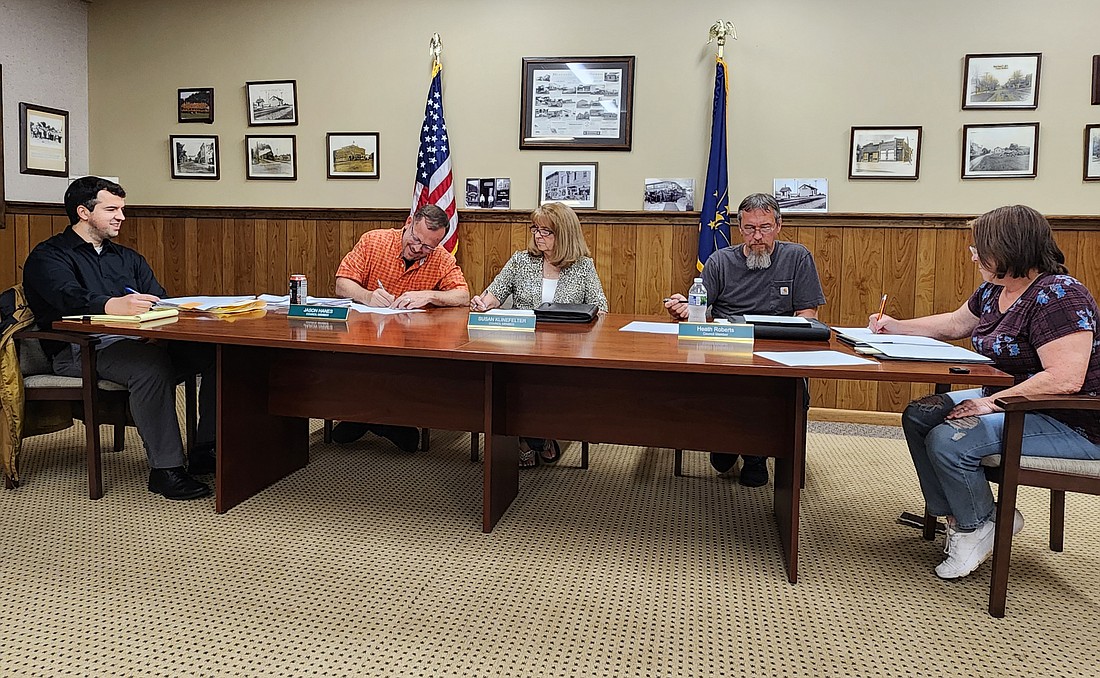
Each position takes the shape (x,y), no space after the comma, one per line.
(882,307)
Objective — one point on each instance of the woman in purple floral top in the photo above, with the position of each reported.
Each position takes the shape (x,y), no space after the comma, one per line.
(1038,324)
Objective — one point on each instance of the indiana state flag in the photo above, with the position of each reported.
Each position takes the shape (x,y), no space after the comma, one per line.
(714,227)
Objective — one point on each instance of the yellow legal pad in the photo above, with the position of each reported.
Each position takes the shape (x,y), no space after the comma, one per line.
(153,314)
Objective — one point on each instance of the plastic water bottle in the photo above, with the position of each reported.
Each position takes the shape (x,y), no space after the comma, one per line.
(697,302)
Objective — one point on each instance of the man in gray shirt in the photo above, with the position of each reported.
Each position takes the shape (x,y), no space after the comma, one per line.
(762,277)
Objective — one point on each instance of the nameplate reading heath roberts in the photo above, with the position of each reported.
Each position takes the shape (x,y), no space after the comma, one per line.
(730,332)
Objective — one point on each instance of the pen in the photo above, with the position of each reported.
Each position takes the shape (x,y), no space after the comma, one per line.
(882,308)
(130,290)
(382,287)
(668,299)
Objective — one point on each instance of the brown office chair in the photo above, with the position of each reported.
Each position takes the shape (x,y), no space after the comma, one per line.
(95,401)
(1011,470)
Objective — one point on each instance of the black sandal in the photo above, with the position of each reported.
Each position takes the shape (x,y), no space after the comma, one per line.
(528,458)
(555,453)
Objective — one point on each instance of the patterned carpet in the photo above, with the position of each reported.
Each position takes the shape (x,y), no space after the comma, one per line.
(370,562)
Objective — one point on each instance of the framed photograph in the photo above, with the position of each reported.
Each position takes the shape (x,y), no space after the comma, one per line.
(571,183)
(272,102)
(272,156)
(1092,152)
(801,195)
(195,104)
(577,103)
(488,193)
(669,195)
(1001,80)
(43,140)
(194,156)
(352,155)
(1000,150)
(1096,80)
(885,153)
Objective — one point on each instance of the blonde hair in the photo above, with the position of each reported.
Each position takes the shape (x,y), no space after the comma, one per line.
(569,244)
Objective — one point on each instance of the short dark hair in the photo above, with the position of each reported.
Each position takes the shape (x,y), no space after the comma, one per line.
(85,191)
(433,217)
(1013,240)
(759,201)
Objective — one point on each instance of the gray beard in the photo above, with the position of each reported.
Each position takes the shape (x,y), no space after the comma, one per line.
(758,262)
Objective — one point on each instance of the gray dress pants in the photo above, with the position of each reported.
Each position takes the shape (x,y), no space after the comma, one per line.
(150,373)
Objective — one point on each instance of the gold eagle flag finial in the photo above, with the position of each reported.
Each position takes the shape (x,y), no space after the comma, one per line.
(720,30)
(435,47)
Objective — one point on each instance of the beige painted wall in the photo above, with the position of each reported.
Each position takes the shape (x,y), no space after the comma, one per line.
(803,72)
(43,48)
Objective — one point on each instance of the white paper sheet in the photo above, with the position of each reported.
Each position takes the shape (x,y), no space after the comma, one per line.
(947,353)
(866,336)
(813,358)
(277,301)
(777,319)
(651,327)
(363,308)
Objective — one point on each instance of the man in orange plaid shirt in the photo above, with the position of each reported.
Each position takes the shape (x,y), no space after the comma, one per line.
(404,268)
(400,268)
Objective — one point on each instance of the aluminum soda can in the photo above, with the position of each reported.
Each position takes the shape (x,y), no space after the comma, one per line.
(298,287)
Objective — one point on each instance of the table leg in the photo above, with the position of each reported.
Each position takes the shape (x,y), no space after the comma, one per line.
(788,480)
(255,449)
(500,483)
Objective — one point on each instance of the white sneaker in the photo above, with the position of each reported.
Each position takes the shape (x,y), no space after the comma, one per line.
(1017,521)
(966,551)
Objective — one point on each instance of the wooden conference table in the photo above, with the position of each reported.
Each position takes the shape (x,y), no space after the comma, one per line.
(573,382)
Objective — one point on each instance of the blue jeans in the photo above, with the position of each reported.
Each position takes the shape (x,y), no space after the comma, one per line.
(947,454)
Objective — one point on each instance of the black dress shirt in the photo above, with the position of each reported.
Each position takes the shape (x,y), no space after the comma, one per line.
(64,275)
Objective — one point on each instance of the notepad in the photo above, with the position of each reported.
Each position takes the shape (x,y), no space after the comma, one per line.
(862,335)
(148,316)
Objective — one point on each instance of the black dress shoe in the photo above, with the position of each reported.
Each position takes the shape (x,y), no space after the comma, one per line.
(203,460)
(345,432)
(754,472)
(721,462)
(407,438)
(175,483)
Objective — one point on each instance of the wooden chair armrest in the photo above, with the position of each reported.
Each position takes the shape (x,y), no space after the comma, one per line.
(82,340)
(1047,402)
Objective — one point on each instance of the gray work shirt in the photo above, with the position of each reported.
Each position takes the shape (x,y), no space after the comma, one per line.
(790,284)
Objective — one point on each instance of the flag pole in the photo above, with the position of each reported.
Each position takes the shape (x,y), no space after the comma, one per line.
(714,223)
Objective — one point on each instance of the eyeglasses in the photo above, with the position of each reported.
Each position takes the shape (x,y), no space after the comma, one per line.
(419,244)
(762,230)
(539,230)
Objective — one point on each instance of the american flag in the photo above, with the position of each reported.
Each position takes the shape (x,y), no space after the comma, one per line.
(434,182)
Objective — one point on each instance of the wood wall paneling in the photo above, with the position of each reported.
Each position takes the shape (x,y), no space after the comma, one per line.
(921,262)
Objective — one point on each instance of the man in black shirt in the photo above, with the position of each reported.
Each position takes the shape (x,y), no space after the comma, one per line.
(81,272)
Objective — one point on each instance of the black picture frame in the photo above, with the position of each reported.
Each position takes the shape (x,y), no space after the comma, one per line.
(283,162)
(271,102)
(990,81)
(195,104)
(1092,153)
(43,140)
(352,155)
(555,97)
(194,156)
(1000,151)
(580,195)
(885,153)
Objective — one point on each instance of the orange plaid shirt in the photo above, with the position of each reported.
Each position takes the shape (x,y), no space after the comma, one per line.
(377,256)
